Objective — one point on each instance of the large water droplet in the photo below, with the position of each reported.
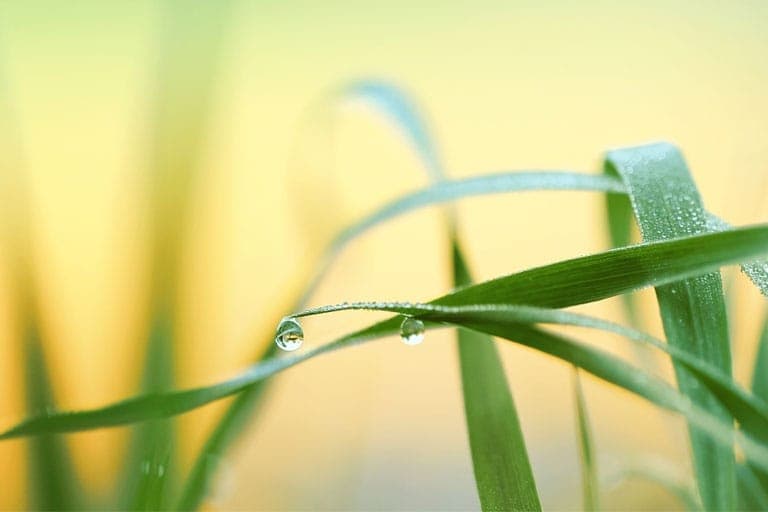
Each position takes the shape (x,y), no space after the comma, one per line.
(412,331)
(290,335)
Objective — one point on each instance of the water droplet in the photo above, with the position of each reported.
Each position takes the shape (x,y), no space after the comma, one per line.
(412,331)
(290,335)
(145,466)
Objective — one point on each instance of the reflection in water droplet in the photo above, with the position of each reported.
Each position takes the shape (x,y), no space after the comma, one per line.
(290,335)
(412,331)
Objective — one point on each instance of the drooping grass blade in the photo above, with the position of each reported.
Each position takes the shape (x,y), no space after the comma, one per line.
(561,284)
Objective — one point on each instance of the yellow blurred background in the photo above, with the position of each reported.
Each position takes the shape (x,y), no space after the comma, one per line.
(505,85)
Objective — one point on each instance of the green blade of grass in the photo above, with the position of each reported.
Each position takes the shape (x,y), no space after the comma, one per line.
(589,480)
(751,411)
(561,284)
(52,482)
(190,40)
(499,457)
(667,205)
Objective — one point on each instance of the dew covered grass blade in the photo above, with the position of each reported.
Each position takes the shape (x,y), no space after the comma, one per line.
(667,205)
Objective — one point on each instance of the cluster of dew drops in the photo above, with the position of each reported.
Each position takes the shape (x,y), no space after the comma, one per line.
(290,335)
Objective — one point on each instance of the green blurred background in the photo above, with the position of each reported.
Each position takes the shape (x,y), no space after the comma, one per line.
(99,98)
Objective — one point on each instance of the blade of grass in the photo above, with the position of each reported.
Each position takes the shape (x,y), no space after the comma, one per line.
(499,457)
(190,45)
(753,483)
(561,284)
(52,482)
(667,205)
(589,480)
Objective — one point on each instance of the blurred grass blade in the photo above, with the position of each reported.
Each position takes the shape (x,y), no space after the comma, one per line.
(450,190)
(396,105)
(590,483)
(562,284)
(667,205)
(685,494)
(190,41)
(753,483)
(52,483)
(753,493)
(502,470)
(760,371)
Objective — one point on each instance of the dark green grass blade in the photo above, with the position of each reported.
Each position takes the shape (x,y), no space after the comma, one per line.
(589,479)
(499,457)
(667,205)
(52,483)
(562,284)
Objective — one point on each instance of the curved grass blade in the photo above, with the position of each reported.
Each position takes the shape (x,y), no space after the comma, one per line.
(398,107)
(561,284)
(394,104)
(499,457)
(589,479)
(667,205)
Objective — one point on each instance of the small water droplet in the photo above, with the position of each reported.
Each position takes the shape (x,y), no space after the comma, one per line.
(412,331)
(290,335)
(145,466)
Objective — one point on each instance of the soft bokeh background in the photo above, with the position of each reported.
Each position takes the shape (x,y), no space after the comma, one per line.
(506,85)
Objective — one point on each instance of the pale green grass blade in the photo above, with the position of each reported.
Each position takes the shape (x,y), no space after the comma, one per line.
(667,205)
(190,42)
(590,483)
(685,494)
(499,457)
(562,284)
